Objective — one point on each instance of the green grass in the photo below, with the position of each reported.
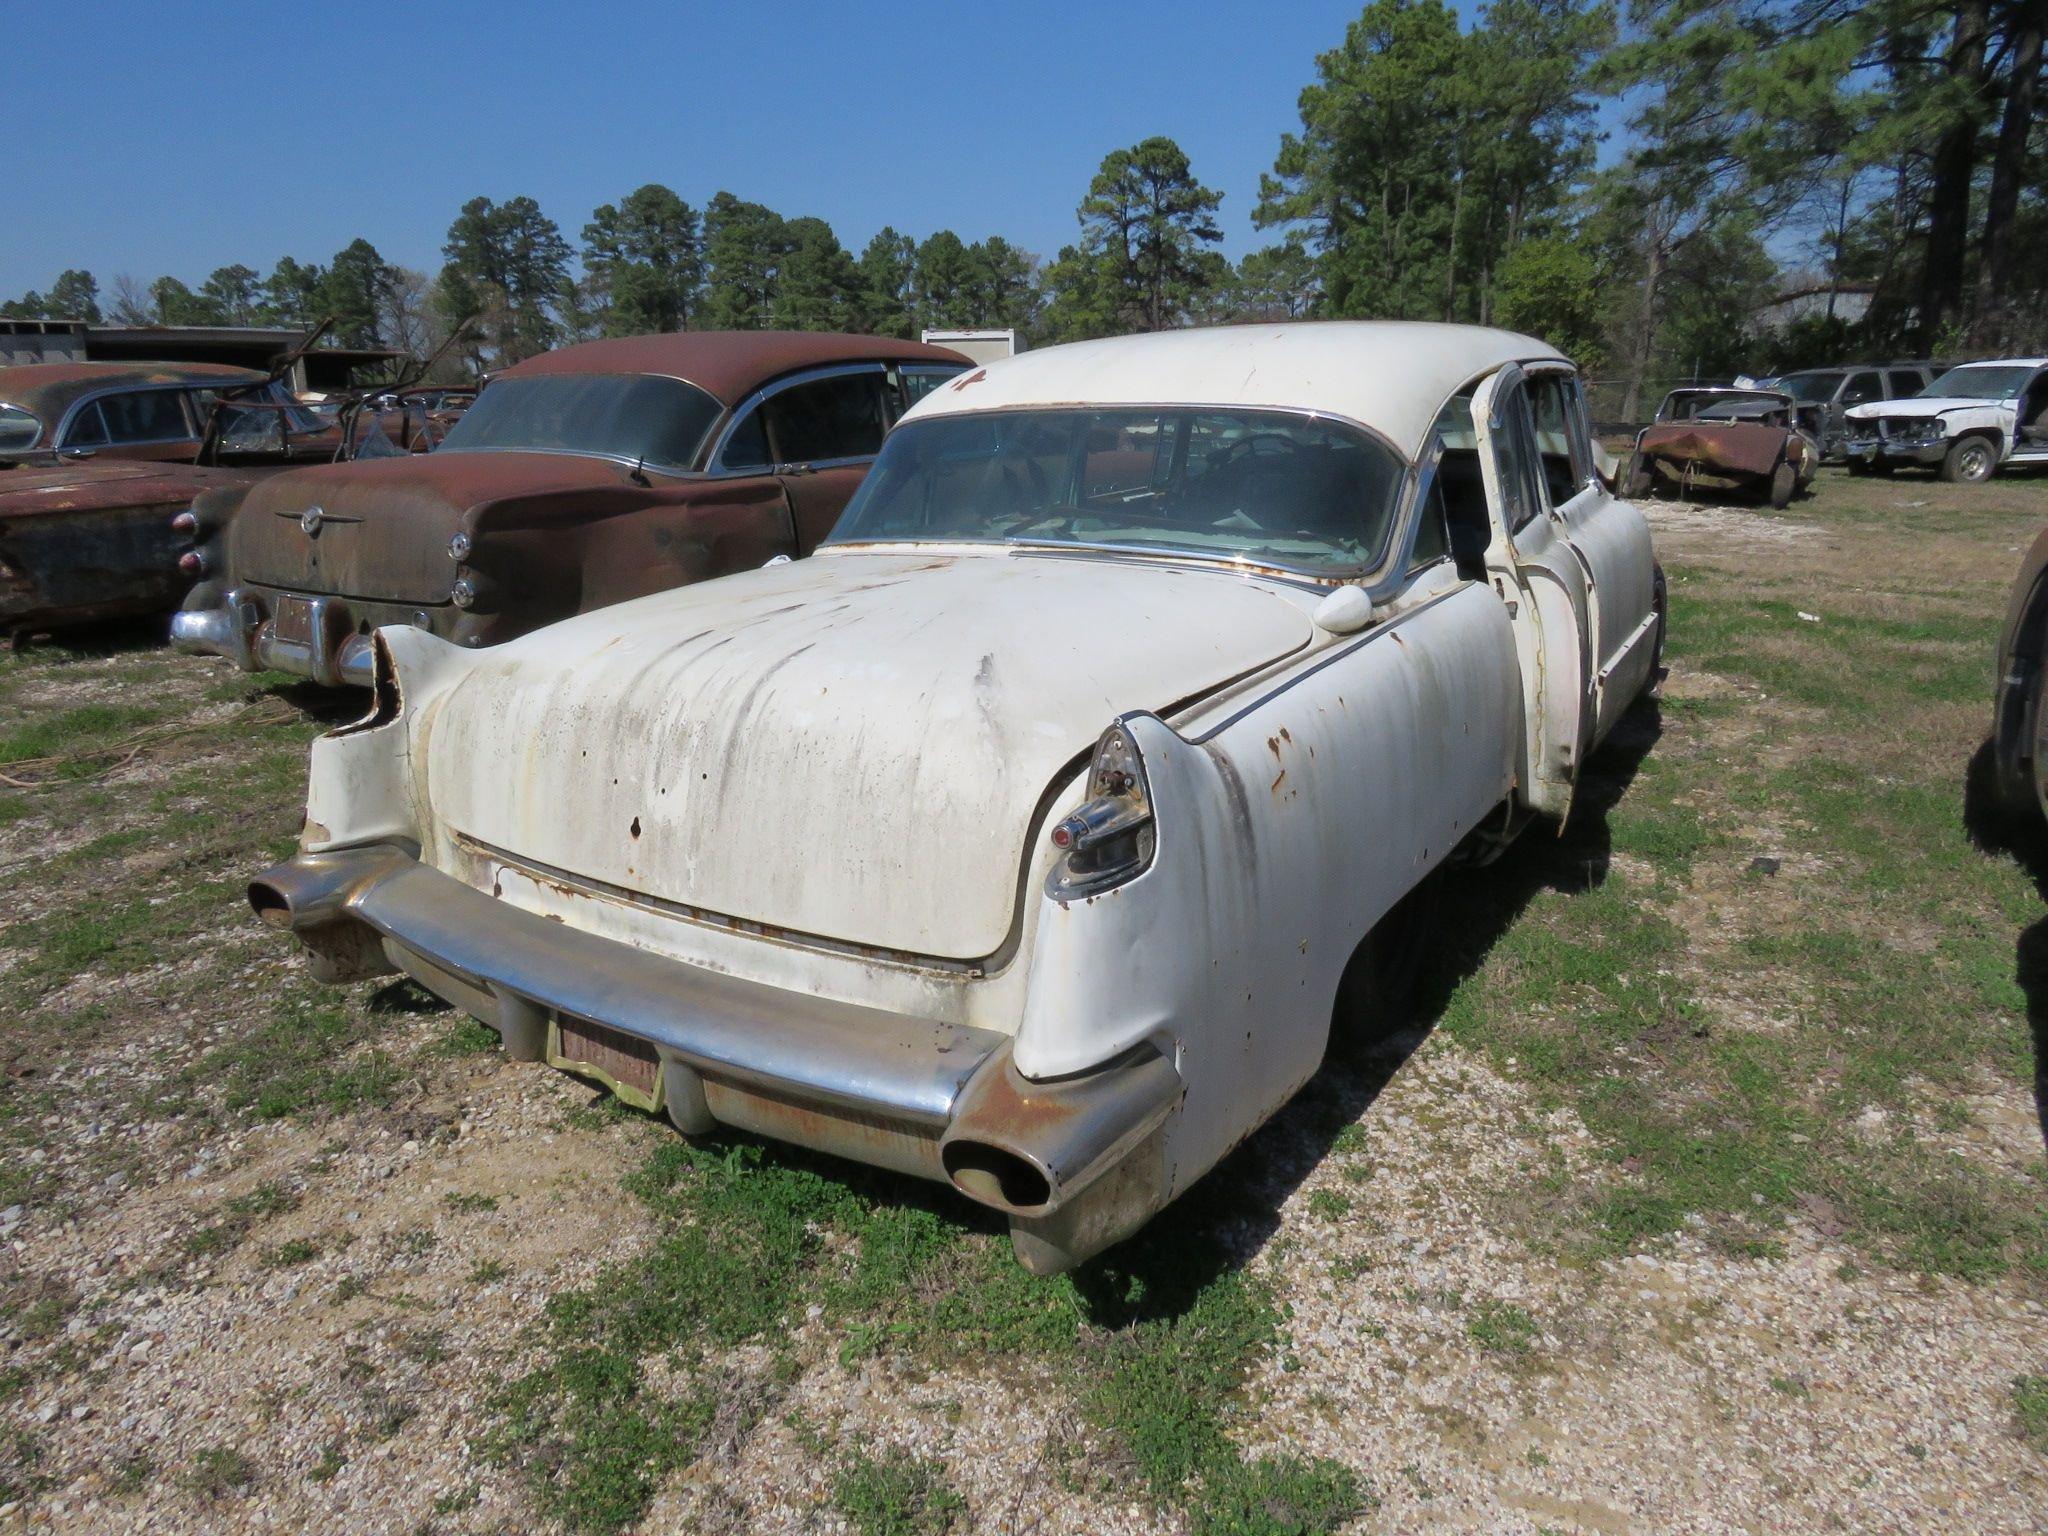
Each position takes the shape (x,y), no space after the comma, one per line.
(1890,955)
(896,1494)
(217,1472)
(2030,1410)
(309,1055)
(1503,1329)
(1153,1347)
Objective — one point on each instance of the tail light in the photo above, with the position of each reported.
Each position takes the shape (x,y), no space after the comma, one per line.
(1109,838)
(186,521)
(192,563)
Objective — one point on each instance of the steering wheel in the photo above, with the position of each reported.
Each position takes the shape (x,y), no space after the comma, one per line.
(1268,444)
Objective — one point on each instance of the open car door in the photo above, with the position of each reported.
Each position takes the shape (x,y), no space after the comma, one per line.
(1542,581)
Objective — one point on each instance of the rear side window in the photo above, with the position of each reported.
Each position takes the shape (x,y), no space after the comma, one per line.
(145,416)
(1432,530)
(18,428)
(835,418)
(1549,398)
(921,381)
(86,430)
(747,446)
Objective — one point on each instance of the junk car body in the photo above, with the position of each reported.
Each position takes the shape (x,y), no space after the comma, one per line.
(1969,422)
(1025,836)
(1826,394)
(149,412)
(578,478)
(104,459)
(1750,441)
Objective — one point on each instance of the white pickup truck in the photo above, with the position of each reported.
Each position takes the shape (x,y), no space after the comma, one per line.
(1966,424)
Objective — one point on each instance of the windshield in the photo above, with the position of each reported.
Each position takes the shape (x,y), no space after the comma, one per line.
(1810,387)
(1257,485)
(1981,381)
(628,416)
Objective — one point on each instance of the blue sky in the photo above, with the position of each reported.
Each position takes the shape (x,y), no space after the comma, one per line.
(151,136)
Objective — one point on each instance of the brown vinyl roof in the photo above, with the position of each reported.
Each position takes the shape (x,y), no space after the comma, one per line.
(729,365)
(48,389)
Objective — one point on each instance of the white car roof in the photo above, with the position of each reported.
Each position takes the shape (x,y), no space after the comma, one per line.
(1390,375)
(2000,362)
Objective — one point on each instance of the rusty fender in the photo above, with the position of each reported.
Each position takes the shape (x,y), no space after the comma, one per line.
(1073,1162)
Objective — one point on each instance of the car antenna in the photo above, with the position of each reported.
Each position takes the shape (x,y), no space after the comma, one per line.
(639,474)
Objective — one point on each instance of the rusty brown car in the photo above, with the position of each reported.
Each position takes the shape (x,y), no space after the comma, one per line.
(578,479)
(1751,443)
(102,460)
(151,411)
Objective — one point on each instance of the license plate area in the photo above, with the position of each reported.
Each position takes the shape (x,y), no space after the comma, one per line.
(295,623)
(627,1065)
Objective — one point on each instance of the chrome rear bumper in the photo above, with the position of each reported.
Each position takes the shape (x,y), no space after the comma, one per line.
(238,630)
(1076,1164)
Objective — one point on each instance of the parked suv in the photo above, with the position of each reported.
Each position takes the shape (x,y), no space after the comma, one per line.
(1834,390)
(1971,420)
(578,479)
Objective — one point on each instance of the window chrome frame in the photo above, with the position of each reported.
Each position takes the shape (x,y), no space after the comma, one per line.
(714,461)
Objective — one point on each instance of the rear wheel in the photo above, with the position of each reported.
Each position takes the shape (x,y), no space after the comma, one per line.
(1382,985)
(1784,481)
(1970,461)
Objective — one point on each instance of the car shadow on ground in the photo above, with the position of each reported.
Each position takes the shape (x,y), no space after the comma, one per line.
(329,706)
(1995,830)
(95,642)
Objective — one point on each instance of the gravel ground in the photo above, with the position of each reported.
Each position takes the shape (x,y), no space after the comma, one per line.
(345,1345)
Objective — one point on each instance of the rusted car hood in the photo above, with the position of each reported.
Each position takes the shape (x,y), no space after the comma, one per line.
(1732,447)
(385,523)
(32,491)
(854,746)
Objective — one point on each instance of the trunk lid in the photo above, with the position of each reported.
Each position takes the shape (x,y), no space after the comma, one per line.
(384,524)
(853,747)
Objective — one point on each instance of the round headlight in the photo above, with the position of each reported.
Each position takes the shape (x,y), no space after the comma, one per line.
(463,593)
(459,547)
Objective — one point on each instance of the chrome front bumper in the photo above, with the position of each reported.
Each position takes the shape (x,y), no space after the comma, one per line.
(1075,1164)
(238,629)
(1878,450)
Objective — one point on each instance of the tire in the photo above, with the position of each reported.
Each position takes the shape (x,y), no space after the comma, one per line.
(1382,984)
(1970,461)
(1784,481)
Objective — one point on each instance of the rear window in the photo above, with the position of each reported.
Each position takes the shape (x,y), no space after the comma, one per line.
(635,417)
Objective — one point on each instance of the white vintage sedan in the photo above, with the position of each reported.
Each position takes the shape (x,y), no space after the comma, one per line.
(1022,836)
